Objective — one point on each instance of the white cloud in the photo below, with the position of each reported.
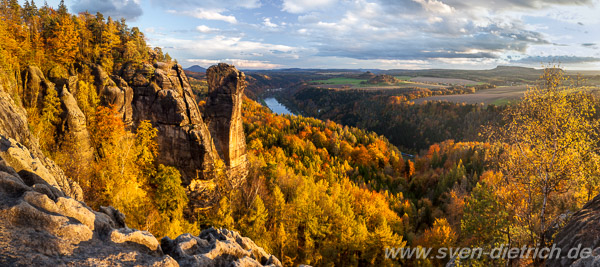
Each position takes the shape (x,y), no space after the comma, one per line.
(238,63)
(229,47)
(209,4)
(267,22)
(301,6)
(206,29)
(207,14)
(435,6)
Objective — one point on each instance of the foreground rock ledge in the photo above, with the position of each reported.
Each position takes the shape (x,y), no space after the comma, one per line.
(41,226)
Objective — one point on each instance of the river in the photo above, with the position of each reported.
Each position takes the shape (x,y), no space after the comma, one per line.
(277,107)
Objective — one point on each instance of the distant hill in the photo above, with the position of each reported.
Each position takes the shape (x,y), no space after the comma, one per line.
(196,68)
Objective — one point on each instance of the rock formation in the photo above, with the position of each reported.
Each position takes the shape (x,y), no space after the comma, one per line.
(42,218)
(162,95)
(217,247)
(113,91)
(19,147)
(40,226)
(74,127)
(224,115)
(583,229)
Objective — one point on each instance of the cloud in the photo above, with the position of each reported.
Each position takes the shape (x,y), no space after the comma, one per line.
(206,29)
(301,6)
(514,4)
(557,59)
(267,22)
(207,14)
(239,63)
(128,9)
(416,33)
(219,46)
(208,4)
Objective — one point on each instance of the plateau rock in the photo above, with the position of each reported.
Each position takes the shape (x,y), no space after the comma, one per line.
(383,79)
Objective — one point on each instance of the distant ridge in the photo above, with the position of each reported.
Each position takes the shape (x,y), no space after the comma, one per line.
(196,68)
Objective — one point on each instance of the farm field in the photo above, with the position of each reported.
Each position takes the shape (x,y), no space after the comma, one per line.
(450,81)
(407,82)
(498,96)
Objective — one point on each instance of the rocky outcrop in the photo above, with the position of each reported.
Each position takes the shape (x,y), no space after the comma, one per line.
(74,127)
(35,86)
(582,230)
(224,116)
(162,95)
(217,247)
(40,226)
(18,146)
(113,91)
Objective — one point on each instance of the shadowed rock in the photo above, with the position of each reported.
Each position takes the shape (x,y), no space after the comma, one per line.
(583,229)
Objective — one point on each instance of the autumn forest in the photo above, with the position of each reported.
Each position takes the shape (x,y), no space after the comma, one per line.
(355,172)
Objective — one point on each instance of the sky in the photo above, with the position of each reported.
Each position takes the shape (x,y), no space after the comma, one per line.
(353,34)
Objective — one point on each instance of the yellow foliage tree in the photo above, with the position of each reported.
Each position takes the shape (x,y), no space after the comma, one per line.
(545,147)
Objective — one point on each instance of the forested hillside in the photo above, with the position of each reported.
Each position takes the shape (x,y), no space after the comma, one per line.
(412,127)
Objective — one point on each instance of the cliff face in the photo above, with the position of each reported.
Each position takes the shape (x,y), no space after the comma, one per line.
(162,95)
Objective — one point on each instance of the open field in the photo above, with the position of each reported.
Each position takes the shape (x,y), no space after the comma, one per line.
(353,83)
(340,81)
(497,96)
(443,81)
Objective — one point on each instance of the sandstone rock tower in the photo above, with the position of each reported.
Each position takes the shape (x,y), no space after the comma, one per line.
(224,116)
